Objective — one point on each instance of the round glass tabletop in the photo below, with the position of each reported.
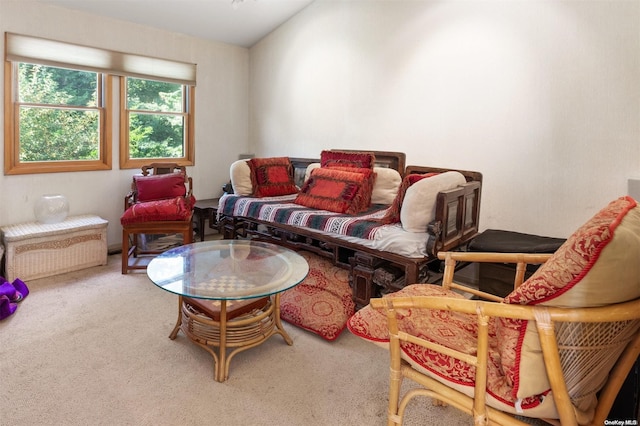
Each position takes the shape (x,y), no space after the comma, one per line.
(227,269)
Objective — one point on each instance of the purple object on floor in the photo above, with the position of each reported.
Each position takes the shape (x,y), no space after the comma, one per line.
(15,291)
(10,295)
(9,291)
(6,307)
(20,286)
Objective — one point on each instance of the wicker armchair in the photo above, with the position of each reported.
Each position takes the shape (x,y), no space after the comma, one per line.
(160,202)
(558,348)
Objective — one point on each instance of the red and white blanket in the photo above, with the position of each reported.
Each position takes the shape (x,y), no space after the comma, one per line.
(284,211)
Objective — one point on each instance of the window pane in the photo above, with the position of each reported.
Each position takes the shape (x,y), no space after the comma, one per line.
(149,95)
(48,134)
(158,115)
(156,136)
(39,84)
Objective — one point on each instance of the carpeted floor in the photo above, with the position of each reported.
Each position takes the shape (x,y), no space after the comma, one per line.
(91,348)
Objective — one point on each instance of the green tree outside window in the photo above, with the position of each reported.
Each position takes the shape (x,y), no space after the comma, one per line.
(156,119)
(59,114)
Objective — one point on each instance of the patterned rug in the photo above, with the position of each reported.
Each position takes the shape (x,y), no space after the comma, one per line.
(323,302)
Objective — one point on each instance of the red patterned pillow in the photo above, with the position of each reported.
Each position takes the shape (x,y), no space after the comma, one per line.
(158,187)
(178,208)
(323,302)
(368,174)
(597,265)
(337,191)
(347,159)
(393,214)
(272,176)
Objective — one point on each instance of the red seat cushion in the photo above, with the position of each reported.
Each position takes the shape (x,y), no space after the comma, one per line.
(178,209)
(454,330)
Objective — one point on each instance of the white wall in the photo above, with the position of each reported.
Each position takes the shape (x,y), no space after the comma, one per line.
(542,97)
(221,111)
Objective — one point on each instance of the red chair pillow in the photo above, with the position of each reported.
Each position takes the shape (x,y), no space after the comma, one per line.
(158,187)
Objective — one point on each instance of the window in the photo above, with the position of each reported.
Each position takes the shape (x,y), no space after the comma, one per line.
(56,120)
(59,111)
(158,122)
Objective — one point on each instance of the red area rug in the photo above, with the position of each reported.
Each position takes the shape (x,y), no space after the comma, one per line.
(323,302)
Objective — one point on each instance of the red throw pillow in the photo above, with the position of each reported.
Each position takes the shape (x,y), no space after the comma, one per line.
(347,159)
(271,177)
(393,214)
(337,191)
(178,208)
(369,178)
(158,187)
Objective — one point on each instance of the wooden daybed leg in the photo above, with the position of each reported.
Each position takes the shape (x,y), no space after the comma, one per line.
(363,267)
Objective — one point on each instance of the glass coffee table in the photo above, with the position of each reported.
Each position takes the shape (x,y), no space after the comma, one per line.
(229,293)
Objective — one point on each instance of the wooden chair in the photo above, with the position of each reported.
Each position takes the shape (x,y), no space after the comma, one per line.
(160,202)
(162,169)
(558,348)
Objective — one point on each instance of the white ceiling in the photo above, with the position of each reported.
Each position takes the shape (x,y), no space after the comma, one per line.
(243,22)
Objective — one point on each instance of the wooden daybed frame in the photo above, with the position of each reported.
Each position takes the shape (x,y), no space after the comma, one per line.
(375,272)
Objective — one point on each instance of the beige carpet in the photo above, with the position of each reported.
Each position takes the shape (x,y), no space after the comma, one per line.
(92,348)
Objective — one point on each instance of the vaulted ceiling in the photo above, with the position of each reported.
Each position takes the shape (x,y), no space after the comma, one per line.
(239,22)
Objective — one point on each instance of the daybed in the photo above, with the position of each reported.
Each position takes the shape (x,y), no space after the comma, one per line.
(441,214)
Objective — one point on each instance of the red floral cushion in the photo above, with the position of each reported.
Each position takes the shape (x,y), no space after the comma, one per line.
(347,159)
(371,324)
(272,176)
(323,302)
(178,208)
(598,265)
(336,190)
(453,330)
(393,214)
(158,187)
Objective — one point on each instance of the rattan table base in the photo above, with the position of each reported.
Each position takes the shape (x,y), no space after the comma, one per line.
(229,333)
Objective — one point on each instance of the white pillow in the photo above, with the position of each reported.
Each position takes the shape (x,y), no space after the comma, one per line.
(419,205)
(385,186)
(240,174)
(310,168)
